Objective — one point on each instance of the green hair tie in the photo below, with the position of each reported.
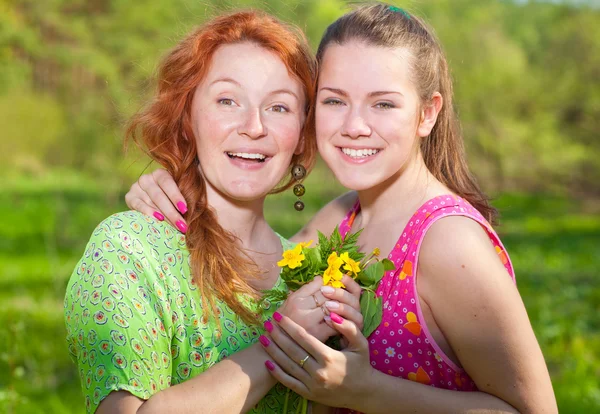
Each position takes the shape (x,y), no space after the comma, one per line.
(399,10)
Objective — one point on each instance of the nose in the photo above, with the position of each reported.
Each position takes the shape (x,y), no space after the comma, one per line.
(355,125)
(253,126)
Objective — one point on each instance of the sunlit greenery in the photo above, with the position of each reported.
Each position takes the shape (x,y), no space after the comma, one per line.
(72,72)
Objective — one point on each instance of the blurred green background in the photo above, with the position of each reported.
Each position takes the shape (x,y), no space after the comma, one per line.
(527,80)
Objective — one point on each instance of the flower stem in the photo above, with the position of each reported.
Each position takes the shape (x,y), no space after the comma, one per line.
(286,401)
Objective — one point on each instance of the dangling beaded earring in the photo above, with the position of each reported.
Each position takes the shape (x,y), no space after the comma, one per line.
(298,172)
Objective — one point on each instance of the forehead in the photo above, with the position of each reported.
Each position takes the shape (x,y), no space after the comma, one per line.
(360,66)
(250,64)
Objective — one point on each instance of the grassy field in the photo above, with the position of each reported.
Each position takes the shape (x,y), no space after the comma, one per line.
(45,225)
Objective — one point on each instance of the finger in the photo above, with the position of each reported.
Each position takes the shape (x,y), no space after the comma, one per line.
(356,340)
(288,354)
(341,296)
(352,286)
(311,287)
(287,380)
(302,338)
(319,299)
(346,312)
(140,205)
(160,199)
(169,186)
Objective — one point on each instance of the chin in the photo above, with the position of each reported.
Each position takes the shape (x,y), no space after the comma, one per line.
(247,191)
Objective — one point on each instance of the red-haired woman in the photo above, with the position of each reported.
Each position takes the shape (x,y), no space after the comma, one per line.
(159,322)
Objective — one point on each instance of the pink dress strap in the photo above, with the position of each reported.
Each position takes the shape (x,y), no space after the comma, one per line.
(346,224)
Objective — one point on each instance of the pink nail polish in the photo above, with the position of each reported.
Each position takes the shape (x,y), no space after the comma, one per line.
(159,216)
(268,326)
(181,207)
(277,316)
(336,318)
(264,340)
(270,366)
(181,226)
(331,304)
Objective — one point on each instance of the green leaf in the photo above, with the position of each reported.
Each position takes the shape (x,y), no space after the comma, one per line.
(388,265)
(372,311)
(372,274)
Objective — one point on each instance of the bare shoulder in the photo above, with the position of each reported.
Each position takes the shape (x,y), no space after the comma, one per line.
(457,243)
(476,305)
(328,217)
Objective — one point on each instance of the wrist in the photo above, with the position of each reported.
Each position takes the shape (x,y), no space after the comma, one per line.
(365,391)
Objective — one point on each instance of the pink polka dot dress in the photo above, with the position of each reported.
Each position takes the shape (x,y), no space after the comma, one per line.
(402,345)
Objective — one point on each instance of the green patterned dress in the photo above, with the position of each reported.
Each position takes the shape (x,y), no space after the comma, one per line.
(134,318)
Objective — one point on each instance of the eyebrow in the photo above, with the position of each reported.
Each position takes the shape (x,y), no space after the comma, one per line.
(230,80)
(371,94)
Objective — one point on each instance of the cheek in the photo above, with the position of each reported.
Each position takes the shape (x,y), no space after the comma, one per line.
(288,133)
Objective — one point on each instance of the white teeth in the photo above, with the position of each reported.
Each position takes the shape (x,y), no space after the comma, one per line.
(247,156)
(361,153)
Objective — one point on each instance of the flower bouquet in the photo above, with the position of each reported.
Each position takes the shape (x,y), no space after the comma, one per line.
(333,257)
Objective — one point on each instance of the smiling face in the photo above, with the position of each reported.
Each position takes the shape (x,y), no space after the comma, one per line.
(247,117)
(368,114)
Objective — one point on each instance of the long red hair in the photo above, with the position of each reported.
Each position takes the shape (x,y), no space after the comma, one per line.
(220,267)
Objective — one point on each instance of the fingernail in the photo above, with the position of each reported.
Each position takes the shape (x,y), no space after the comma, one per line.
(336,318)
(181,207)
(327,289)
(264,340)
(158,216)
(268,326)
(181,226)
(277,316)
(327,318)
(270,366)
(332,304)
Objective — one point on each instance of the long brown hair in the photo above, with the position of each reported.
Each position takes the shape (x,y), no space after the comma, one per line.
(443,150)
(219,265)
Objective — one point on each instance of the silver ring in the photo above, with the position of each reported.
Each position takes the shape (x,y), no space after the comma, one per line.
(301,363)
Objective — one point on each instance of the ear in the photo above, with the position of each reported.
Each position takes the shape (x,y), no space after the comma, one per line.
(300,147)
(429,115)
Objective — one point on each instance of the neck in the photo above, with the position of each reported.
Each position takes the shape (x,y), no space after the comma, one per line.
(401,194)
(244,219)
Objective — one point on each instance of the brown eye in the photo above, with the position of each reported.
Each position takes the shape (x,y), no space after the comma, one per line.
(279,108)
(225,101)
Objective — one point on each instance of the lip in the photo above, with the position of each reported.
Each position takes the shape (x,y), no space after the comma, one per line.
(358,161)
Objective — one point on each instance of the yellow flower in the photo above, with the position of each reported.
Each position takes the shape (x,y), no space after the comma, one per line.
(305,244)
(292,258)
(376,252)
(334,261)
(337,284)
(350,265)
(333,276)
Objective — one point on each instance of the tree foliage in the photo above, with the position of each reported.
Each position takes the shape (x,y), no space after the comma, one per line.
(526,77)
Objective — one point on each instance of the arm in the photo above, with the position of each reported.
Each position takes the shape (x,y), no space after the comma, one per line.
(233,385)
(479,310)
